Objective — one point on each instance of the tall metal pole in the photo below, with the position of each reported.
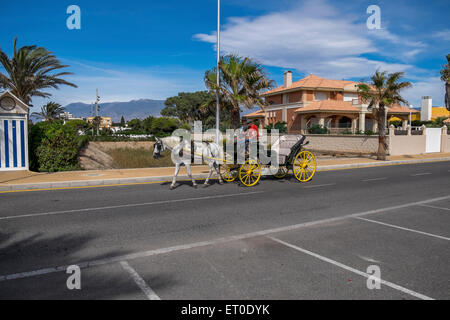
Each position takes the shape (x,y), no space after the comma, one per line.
(218,73)
(97,99)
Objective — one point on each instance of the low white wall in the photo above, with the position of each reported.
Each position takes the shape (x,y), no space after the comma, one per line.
(406,145)
(445,143)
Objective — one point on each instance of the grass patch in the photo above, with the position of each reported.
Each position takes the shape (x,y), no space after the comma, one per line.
(127,158)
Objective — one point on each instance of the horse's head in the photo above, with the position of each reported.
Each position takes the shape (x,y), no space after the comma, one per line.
(158,147)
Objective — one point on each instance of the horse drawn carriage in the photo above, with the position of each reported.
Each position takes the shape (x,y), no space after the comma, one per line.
(291,156)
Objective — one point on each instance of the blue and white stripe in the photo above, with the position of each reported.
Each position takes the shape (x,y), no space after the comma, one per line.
(13,144)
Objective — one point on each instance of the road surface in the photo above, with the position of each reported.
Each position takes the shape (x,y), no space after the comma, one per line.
(278,240)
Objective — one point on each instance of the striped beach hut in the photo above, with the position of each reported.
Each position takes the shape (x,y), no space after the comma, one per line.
(13,133)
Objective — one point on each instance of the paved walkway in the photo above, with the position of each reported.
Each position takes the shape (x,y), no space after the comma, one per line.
(20,180)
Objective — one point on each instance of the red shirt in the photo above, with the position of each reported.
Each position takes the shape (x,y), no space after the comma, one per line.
(254,127)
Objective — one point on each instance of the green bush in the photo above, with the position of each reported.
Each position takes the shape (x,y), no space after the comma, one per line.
(396,123)
(369,133)
(318,129)
(54,146)
(280,125)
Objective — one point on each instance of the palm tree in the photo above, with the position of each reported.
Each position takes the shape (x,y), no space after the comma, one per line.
(241,83)
(49,111)
(445,76)
(383,91)
(29,71)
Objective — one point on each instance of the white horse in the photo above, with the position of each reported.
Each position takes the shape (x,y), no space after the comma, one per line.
(182,154)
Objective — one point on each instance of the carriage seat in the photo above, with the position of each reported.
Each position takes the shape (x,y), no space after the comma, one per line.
(286,144)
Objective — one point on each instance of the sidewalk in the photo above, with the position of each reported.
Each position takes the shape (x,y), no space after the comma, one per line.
(27,180)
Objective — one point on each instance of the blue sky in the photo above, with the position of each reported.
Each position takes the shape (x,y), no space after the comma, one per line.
(154,49)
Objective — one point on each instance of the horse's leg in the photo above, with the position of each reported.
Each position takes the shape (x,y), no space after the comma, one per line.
(216,167)
(174,179)
(188,169)
(209,175)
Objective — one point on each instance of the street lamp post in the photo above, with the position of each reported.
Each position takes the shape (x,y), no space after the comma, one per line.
(218,73)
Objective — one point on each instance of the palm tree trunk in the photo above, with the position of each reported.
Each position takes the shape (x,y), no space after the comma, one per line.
(382,145)
(235,117)
(447,95)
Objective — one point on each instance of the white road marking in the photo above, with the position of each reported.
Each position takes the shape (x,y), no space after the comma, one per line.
(343,266)
(420,174)
(143,254)
(320,185)
(149,293)
(128,205)
(435,207)
(374,179)
(403,228)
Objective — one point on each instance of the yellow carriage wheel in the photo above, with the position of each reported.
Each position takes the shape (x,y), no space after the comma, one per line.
(281,173)
(304,166)
(228,172)
(250,173)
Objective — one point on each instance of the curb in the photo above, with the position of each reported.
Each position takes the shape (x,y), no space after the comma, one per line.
(162,179)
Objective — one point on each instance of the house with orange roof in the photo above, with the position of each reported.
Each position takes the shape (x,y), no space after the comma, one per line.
(313,100)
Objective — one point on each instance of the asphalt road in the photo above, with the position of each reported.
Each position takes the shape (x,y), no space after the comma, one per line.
(278,240)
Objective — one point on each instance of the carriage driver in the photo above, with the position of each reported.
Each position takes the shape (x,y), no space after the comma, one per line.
(252,132)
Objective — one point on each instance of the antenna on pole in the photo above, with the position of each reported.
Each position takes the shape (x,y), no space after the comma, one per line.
(97,99)
(218,73)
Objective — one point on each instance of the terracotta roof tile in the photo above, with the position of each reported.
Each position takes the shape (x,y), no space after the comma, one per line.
(328,105)
(396,108)
(255,114)
(313,81)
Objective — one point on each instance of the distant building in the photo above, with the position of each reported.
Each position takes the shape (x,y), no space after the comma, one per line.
(68,116)
(118,129)
(105,122)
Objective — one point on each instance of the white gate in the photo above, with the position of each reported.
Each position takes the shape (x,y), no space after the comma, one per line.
(433,139)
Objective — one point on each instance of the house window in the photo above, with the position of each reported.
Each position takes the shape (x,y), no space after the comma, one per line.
(350,96)
(319,96)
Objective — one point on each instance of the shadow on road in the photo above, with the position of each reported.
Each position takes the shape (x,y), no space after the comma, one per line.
(37,252)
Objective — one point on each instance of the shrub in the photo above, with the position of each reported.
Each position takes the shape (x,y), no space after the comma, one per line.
(318,129)
(54,146)
(396,123)
(369,132)
(58,150)
(280,125)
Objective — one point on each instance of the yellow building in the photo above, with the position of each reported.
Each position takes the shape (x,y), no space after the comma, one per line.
(105,122)
(436,112)
(427,112)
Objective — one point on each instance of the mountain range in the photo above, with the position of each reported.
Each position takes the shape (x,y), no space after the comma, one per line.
(133,109)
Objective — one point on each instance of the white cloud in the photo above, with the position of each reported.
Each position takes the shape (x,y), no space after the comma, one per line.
(314,38)
(432,86)
(444,34)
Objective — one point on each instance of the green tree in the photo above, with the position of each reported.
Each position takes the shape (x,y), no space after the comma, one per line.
(122,122)
(187,106)
(383,91)
(49,111)
(163,126)
(147,124)
(241,83)
(30,70)
(135,125)
(445,76)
